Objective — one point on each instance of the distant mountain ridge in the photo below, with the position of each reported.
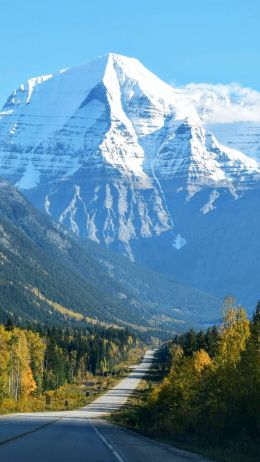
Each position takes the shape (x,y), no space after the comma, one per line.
(48,276)
(122,158)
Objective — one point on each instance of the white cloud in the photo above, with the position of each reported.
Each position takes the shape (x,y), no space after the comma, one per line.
(219,103)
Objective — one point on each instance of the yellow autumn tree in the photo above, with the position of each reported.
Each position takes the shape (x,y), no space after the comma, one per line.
(201,359)
(21,380)
(37,348)
(233,336)
(4,362)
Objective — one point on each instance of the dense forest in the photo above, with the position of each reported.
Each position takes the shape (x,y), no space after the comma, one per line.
(32,363)
(210,397)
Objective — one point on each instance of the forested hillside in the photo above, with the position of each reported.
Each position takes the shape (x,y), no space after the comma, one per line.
(47,275)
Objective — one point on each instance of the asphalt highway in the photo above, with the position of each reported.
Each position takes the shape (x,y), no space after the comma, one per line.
(83,435)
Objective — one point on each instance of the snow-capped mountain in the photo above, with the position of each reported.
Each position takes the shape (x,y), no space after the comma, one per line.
(120,157)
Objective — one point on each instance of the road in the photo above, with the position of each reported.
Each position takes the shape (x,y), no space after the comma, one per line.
(83,435)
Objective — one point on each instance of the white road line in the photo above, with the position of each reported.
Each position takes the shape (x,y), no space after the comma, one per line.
(107,444)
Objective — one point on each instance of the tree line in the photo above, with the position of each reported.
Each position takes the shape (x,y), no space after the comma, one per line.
(32,363)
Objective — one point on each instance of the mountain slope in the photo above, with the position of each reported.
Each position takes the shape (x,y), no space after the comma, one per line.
(35,267)
(122,158)
(244,136)
(231,112)
(48,275)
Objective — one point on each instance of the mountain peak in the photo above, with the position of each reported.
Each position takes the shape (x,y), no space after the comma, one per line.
(118,57)
(102,146)
(120,157)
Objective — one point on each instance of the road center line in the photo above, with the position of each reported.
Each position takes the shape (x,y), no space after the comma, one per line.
(16,437)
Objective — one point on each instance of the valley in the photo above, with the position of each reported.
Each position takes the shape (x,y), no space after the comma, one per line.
(49,275)
(129,276)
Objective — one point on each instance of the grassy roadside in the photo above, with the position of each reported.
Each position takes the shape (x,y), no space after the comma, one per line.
(67,397)
(130,417)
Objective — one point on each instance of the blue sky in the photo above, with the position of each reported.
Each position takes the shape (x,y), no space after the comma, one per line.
(180,40)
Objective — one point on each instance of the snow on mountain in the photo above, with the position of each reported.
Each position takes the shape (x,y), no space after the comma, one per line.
(231,112)
(243,136)
(121,157)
